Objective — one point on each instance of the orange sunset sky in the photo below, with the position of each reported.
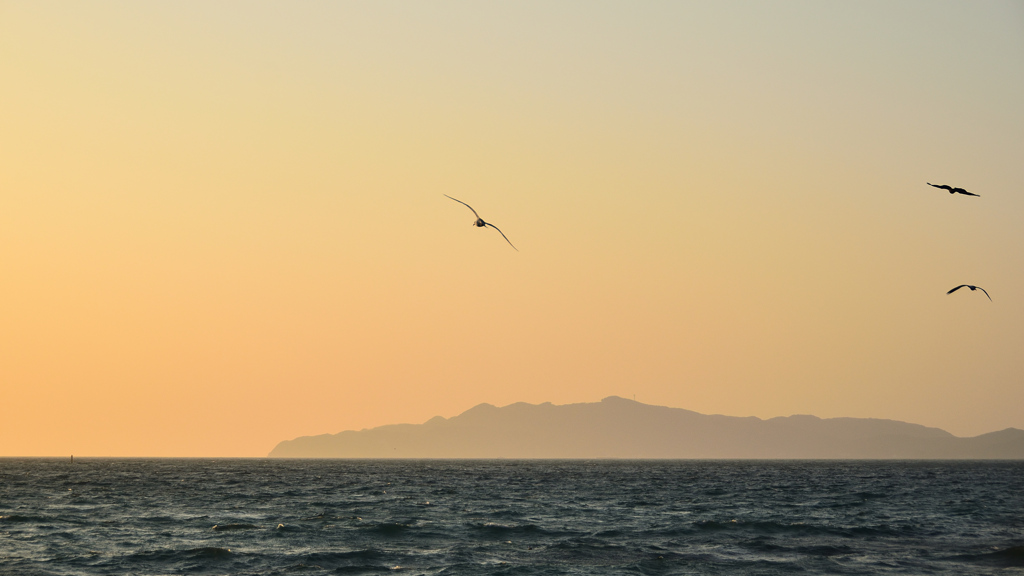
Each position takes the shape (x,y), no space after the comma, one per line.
(222,224)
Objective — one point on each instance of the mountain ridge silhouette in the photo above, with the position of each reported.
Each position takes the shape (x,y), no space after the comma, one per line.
(625,429)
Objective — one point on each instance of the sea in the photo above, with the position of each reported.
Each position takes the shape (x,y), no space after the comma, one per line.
(468,517)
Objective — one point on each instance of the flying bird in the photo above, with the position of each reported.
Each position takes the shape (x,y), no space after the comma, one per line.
(973,288)
(953,190)
(480,222)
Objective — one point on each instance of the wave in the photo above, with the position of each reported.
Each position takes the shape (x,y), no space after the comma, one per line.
(390,529)
(228,527)
(362,555)
(302,567)
(767,527)
(23,518)
(800,529)
(825,550)
(503,530)
(208,552)
(1012,557)
(171,556)
(592,552)
(370,560)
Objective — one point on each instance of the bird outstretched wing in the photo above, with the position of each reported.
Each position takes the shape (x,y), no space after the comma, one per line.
(467,206)
(957,288)
(502,234)
(943,186)
(985,291)
(964,192)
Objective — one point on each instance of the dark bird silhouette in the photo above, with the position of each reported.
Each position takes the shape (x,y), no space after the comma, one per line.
(973,288)
(480,222)
(953,190)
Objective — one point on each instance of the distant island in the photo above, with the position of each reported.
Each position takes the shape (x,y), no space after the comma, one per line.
(620,428)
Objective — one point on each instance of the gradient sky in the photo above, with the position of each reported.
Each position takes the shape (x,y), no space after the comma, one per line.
(222,223)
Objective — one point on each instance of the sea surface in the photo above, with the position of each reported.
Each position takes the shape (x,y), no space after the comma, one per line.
(263,516)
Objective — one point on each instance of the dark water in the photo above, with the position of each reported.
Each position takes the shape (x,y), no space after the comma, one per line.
(115,516)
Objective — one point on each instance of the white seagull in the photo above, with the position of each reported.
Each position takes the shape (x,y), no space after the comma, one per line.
(480,222)
(973,288)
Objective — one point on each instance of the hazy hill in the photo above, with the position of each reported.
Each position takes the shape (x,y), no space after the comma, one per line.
(620,428)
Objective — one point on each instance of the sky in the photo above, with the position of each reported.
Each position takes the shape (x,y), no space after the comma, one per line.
(223,224)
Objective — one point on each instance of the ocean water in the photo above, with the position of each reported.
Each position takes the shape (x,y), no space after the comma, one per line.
(261,516)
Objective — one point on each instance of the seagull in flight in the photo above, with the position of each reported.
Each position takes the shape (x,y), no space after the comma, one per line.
(480,222)
(973,288)
(953,190)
